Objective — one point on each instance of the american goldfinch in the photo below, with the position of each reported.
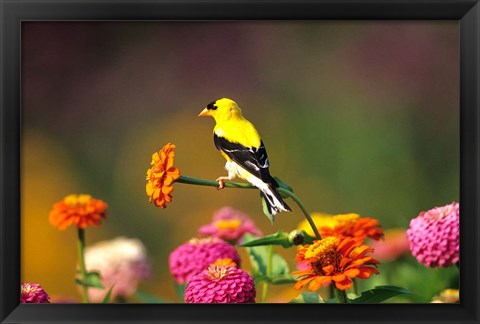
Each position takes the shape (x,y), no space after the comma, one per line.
(238,141)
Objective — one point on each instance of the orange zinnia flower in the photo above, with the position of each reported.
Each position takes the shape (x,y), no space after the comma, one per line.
(81,210)
(161,176)
(351,225)
(226,262)
(354,226)
(334,259)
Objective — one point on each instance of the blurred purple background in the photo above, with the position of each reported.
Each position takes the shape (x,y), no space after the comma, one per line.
(357,117)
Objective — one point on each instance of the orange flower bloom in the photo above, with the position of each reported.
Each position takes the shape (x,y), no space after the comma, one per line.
(81,210)
(351,225)
(226,262)
(334,259)
(161,176)
(356,227)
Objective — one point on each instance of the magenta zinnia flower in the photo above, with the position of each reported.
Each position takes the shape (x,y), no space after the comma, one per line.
(197,255)
(230,225)
(32,293)
(221,284)
(434,236)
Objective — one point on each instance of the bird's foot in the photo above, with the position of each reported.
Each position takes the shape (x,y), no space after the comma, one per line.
(221,181)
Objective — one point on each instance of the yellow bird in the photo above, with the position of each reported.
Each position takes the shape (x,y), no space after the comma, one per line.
(238,141)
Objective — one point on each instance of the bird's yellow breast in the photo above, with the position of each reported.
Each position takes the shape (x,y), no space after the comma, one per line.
(239,131)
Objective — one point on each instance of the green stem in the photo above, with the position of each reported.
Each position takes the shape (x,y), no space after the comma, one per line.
(341,296)
(355,286)
(81,262)
(331,290)
(211,183)
(304,210)
(268,273)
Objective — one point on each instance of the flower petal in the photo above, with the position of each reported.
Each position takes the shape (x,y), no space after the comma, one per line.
(300,284)
(344,284)
(352,273)
(316,283)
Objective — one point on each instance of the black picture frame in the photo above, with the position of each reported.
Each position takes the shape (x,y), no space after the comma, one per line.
(467,12)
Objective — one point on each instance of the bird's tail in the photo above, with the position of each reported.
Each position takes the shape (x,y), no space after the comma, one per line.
(273,199)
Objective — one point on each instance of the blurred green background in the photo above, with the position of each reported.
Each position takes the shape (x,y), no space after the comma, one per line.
(356,116)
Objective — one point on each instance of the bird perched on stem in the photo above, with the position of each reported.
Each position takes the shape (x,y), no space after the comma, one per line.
(238,141)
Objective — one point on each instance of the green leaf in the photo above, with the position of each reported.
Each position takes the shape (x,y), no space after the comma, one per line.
(108,295)
(279,265)
(307,298)
(257,278)
(282,280)
(92,280)
(379,294)
(148,298)
(265,210)
(259,258)
(332,300)
(279,238)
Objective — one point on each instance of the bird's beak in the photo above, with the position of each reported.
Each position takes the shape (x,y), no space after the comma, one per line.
(205,112)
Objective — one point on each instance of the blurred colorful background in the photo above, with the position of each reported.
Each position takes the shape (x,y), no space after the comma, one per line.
(357,117)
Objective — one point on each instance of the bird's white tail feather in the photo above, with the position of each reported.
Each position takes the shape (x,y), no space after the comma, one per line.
(275,203)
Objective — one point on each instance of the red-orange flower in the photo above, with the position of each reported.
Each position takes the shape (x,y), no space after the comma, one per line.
(81,210)
(352,225)
(334,259)
(161,176)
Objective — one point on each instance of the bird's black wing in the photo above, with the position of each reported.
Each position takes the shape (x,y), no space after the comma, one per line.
(254,160)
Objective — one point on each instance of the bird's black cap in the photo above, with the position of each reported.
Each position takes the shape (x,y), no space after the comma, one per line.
(211,106)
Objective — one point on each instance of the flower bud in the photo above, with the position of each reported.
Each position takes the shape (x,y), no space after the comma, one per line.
(296,237)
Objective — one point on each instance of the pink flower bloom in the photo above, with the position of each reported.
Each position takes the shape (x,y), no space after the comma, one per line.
(32,293)
(434,236)
(229,225)
(394,245)
(197,255)
(121,261)
(303,265)
(220,284)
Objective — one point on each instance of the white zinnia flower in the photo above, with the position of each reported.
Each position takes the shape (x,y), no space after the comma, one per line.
(122,262)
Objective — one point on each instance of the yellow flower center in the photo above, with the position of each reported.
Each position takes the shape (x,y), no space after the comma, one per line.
(203,240)
(77,200)
(321,247)
(217,272)
(226,262)
(28,289)
(323,253)
(228,224)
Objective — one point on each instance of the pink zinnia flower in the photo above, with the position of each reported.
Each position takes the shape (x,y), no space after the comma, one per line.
(220,284)
(394,245)
(32,293)
(122,262)
(230,225)
(435,236)
(197,255)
